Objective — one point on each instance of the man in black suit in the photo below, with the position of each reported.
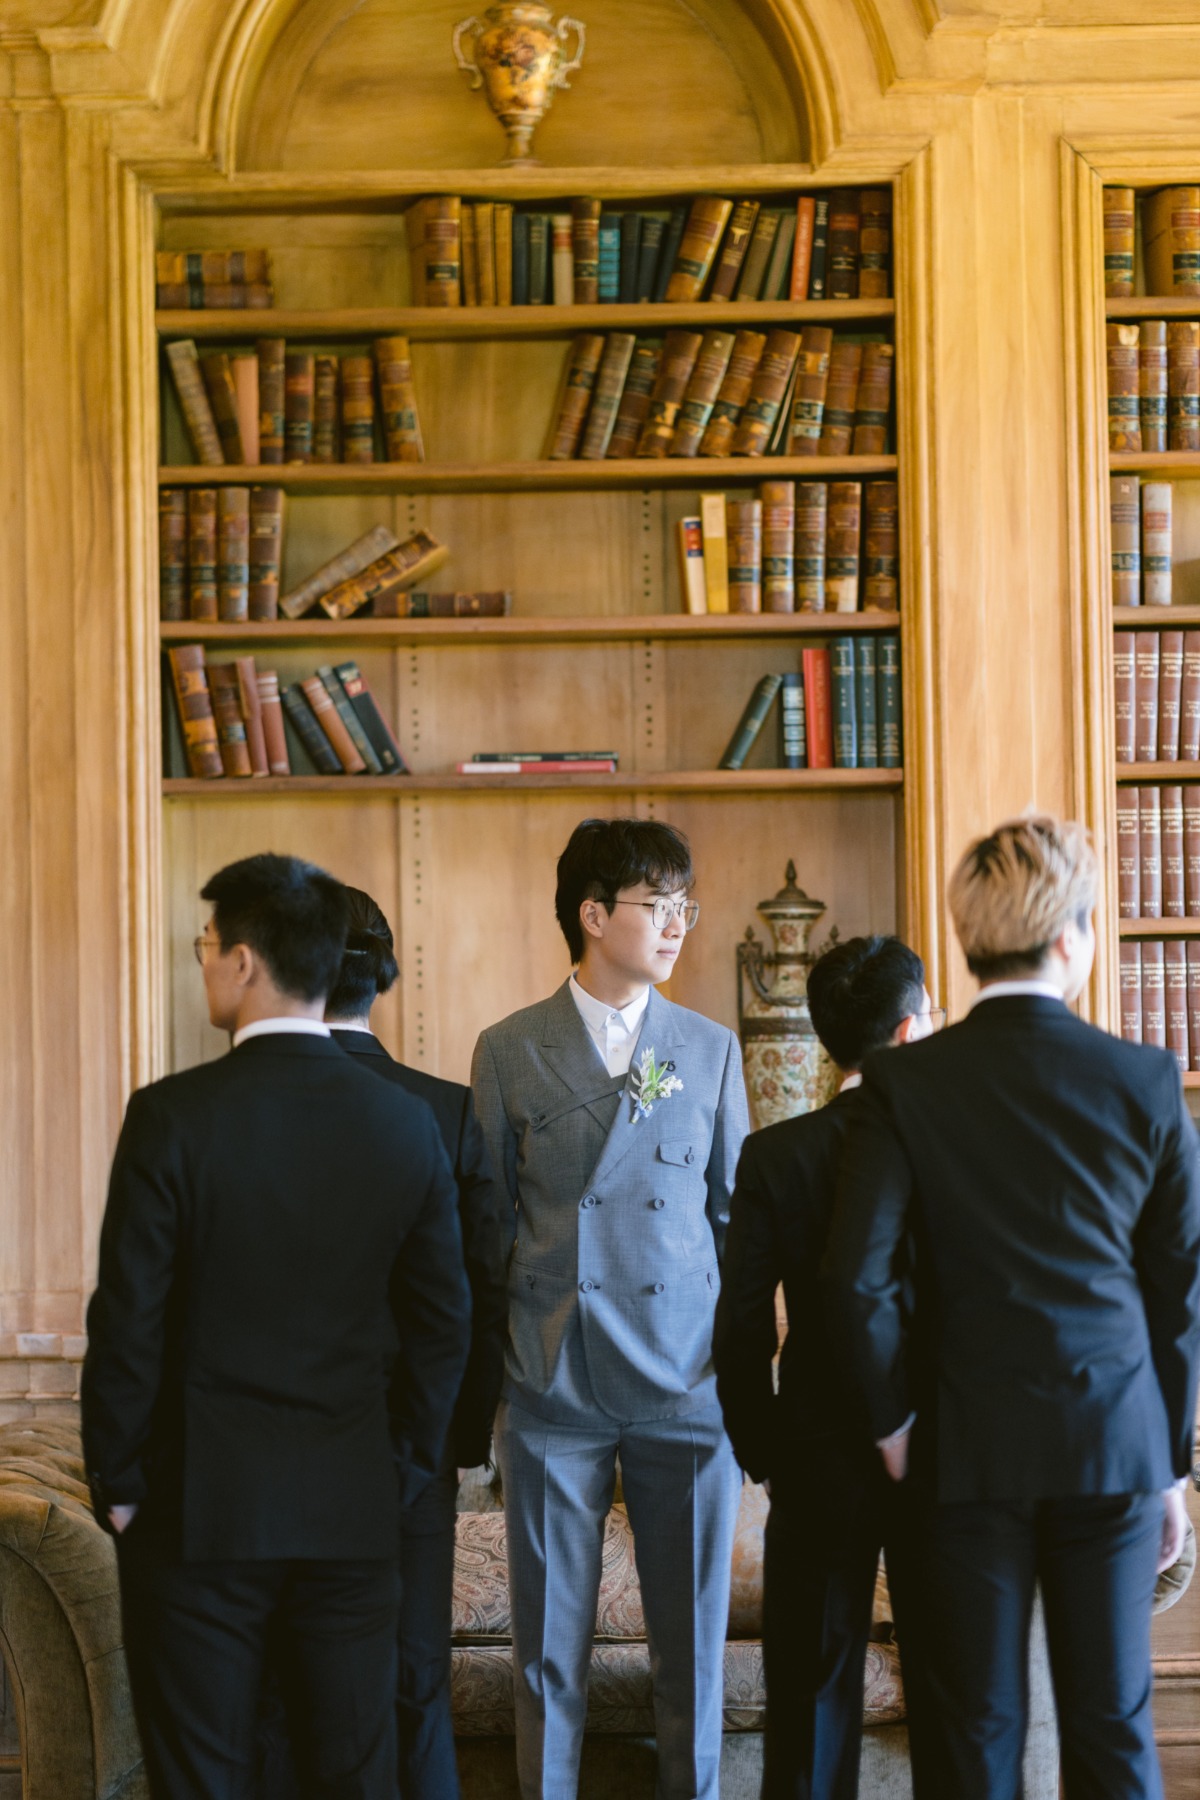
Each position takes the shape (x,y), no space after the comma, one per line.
(426,1733)
(832,1506)
(1049,1174)
(273,1218)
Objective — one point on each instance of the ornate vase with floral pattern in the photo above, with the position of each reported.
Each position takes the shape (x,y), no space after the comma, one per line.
(519,58)
(787,1071)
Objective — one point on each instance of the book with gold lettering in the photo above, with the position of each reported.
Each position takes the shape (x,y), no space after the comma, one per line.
(606,394)
(232,745)
(1124,413)
(843,545)
(719,433)
(802,247)
(1118,243)
(271,353)
(358,409)
(202,553)
(274,735)
(734,247)
(1156,543)
(343,567)
(873,403)
(702,234)
(575,396)
(874,243)
(778,546)
(1171,232)
(1183,387)
(398,400)
(266,551)
(691,565)
(485,251)
(702,389)
(326,444)
(1152,383)
(881,545)
(634,403)
(744,533)
(714,532)
(1125,526)
(195,710)
(841,399)
(250,701)
(244,366)
(299,405)
(585,251)
(812,381)
(766,396)
(844,228)
(184,363)
(680,351)
(217,374)
(403,567)
(333,725)
(442,236)
(172,553)
(812,510)
(233,553)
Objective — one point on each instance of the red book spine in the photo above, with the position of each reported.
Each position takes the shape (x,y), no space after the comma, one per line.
(1170,682)
(1193,994)
(1154,1012)
(1129,862)
(1171,804)
(1131,990)
(1189,700)
(1150,851)
(818,708)
(1123,693)
(1191,852)
(1145,694)
(1175,973)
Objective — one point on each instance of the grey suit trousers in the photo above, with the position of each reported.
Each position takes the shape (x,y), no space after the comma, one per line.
(681,1487)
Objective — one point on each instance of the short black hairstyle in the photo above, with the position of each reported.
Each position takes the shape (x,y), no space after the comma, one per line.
(859,992)
(369,967)
(605,855)
(289,912)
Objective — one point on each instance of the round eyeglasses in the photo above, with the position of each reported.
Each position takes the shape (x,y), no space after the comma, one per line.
(662,911)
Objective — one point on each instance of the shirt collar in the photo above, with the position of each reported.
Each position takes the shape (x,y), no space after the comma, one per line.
(597,1013)
(1006,990)
(261,1027)
(853,1080)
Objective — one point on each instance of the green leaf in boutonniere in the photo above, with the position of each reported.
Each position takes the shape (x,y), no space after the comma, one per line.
(650,1081)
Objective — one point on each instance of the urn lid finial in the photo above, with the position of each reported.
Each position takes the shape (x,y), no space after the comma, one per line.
(791,900)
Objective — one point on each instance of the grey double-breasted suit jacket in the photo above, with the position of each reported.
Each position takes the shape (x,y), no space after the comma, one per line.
(618,1219)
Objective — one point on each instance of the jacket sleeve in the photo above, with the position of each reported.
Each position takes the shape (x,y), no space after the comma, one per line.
(127,1315)
(480,1203)
(1167,1260)
(745,1337)
(431,1306)
(499,1136)
(866,1259)
(730,1126)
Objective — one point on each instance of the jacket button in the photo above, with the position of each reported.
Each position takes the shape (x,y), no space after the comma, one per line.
(658,1287)
(589,1200)
(657,1204)
(690,1157)
(585,1287)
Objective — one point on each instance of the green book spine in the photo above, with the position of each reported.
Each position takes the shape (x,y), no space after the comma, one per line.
(298,713)
(888,702)
(791,723)
(751,722)
(865,698)
(328,677)
(845,712)
(539,257)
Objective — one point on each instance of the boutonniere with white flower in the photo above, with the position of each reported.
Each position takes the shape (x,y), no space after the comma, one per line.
(650,1081)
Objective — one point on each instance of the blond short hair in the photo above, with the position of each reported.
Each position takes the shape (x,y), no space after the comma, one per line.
(1016,889)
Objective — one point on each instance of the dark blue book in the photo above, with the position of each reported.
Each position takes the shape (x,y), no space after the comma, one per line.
(820,250)
(672,238)
(887,689)
(539,258)
(791,723)
(845,709)
(610,255)
(631,239)
(317,750)
(520,259)
(653,225)
(865,700)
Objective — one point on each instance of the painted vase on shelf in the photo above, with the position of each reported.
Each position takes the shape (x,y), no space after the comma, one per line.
(787,1071)
(520,59)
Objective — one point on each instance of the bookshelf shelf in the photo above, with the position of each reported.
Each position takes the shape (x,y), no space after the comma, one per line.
(1147,462)
(1154,306)
(1158,928)
(516,478)
(1146,618)
(674,628)
(689,781)
(1130,774)
(440,324)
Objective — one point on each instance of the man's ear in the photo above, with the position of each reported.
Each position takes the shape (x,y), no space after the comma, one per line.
(904,1031)
(591,916)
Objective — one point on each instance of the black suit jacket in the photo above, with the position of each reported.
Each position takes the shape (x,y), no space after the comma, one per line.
(778,1226)
(1050,1174)
(274,1220)
(479,1216)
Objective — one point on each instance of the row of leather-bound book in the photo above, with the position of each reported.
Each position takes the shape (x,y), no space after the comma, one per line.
(1141,515)
(1158,851)
(809,546)
(839,710)
(1160,231)
(1153,385)
(1160,996)
(1156,689)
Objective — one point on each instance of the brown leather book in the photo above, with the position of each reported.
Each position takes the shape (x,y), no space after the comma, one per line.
(470,274)
(250,702)
(767,391)
(585,251)
(398,401)
(1175,982)
(244,368)
(778,546)
(802,247)
(744,533)
(812,380)
(326,714)
(326,447)
(874,243)
(842,546)
(562,259)
(419,555)
(442,234)
(202,553)
(399,603)
(1131,991)
(841,399)
(698,250)
(843,243)
(233,554)
(266,551)
(1171,240)
(1156,543)
(1191,852)
(1124,406)
(758,256)
(606,395)
(1183,385)
(1145,695)
(812,516)
(1154,1010)
(1152,383)
(635,400)
(680,351)
(227,711)
(1123,695)
(874,402)
(881,546)
(1124,504)
(184,364)
(485,250)
(172,553)
(278,761)
(349,562)
(575,398)
(1189,700)
(217,374)
(709,372)
(195,710)
(299,405)
(1118,243)
(719,433)
(734,246)
(1129,859)
(502,255)
(1193,990)
(1170,684)
(1150,852)
(358,410)
(1171,813)
(271,353)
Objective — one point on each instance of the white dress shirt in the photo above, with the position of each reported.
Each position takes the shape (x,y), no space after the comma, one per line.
(613,1029)
(1003,990)
(260,1028)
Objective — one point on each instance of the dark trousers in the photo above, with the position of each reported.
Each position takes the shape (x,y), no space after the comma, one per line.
(425,1731)
(1094,1558)
(195,1638)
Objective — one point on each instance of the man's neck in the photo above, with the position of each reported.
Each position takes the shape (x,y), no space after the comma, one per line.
(363,1024)
(612,987)
(271,1004)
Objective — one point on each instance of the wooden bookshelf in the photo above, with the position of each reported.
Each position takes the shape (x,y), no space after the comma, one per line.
(715,628)
(1154,306)
(1149,618)
(1134,774)
(1182,463)
(1158,928)
(674,781)
(527,478)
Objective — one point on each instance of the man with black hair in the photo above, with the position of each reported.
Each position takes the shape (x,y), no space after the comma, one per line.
(614,1119)
(272,1217)
(832,1506)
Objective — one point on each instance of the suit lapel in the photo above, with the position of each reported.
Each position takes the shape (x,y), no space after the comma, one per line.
(660,1032)
(570,1052)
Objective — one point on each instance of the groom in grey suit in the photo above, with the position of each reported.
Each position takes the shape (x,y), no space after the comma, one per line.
(614,1120)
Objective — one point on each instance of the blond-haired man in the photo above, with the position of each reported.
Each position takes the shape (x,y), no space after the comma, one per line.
(1048,1173)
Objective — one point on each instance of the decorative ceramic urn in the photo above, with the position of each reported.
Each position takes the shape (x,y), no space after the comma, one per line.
(519,57)
(787,1071)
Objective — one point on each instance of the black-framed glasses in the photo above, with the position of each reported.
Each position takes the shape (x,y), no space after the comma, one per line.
(200,945)
(662,911)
